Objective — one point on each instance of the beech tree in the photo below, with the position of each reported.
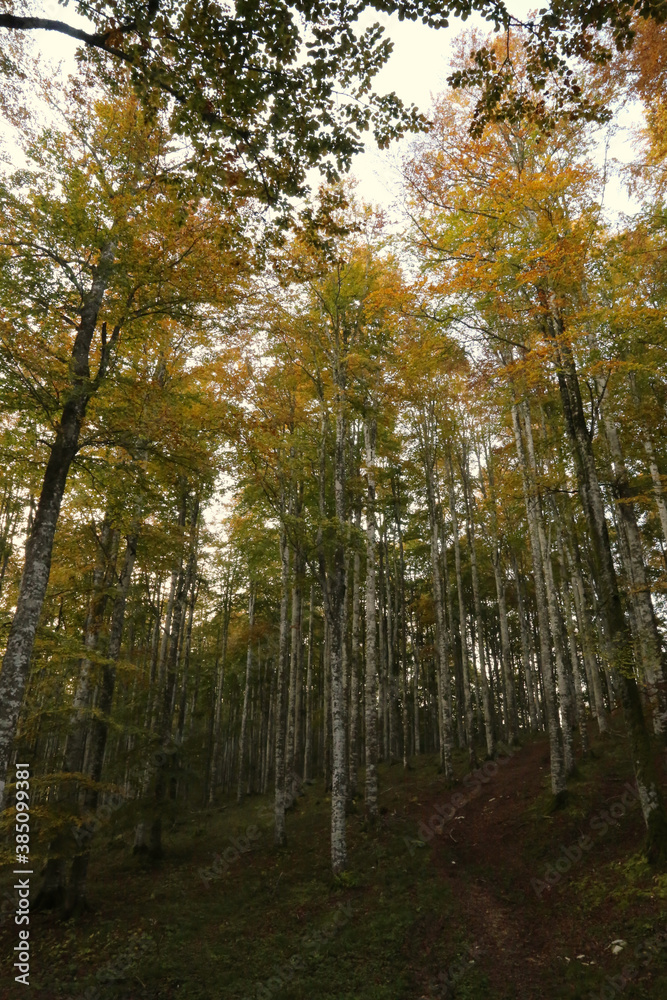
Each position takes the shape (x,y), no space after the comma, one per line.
(81,262)
(297,501)
(533,213)
(280,116)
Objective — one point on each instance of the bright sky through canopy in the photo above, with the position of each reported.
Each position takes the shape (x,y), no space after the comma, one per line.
(416,71)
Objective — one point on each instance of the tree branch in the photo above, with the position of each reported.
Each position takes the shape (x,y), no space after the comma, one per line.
(96,41)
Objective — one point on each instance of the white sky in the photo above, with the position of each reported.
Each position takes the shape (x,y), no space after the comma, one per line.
(417,70)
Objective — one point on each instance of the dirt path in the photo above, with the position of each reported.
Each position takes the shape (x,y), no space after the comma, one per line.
(526,933)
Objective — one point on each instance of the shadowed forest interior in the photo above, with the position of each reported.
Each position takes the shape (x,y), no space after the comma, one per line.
(333,538)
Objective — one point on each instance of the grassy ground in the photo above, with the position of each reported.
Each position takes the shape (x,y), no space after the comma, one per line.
(494,904)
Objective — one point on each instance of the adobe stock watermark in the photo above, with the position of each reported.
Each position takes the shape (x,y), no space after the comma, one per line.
(600,823)
(310,945)
(118,968)
(22,885)
(446,811)
(92,823)
(244,843)
(646,953)
(444,985)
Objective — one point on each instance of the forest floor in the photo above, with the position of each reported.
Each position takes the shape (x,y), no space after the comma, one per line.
(507,901)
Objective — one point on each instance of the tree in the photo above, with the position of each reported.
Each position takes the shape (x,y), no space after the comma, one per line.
(521,233)
(189,51)
(257,114)
(79,241)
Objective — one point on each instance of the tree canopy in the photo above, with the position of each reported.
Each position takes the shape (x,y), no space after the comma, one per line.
(305,509)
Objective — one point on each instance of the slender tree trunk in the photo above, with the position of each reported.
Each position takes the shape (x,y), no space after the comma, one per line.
(452,627)
(76,890)
(246,692)
(511,717)
(572,642)
(370,696)
(558,780)
(280,838)
(403,670)
(610,600)
(194,593)
(295,666)
(39,544)
(444,692)
(465,667)
(326,707)
(640,591)
(486,697)
(400,619)
(333,584)
(387,705)
(552,601)
(270,725)
(415,695)
(511,720)
(168,692)
(220,664)
(354,668)
(158,678)
(533,709)
(308,740)
(12,508)
(658,487)
(587,642)
(52,890)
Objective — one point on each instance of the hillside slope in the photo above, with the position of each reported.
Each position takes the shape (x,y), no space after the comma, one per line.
(503,901)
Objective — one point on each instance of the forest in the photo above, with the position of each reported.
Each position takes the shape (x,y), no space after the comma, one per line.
(333,539)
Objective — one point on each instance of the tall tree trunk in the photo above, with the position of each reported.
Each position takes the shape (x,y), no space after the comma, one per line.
(280,838)
(295,667)
(531,498)
(326,707)
(214,769)
(443,678)
(392,680)
(270,724)
(653,808)
(246,692)
(76,890)
(39,544)
(511,717)
(308,739)
(370,695)
(505,648)
(640,591)
(453,631)
(415,695)
(354,667)
(552,600)
(387,686)
(52,890)
(572,642)
(158,675)
(167,694)
(658,486)
(587,642)
(400,617)
(465,666)
(187,646)
(334,604)
(533,708)
(486,697)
